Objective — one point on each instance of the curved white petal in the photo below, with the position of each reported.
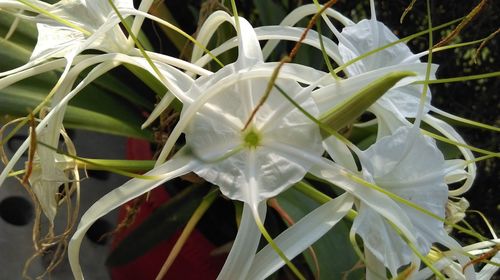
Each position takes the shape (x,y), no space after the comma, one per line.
(301,12)
(242,253)
(489,270)
(340,153)
(207,30)
(449,132)
(368,35)
(300,236)
(177,166)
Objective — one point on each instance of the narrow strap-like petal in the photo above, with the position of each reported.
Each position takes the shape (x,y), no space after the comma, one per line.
(240,258)
(300,236)
(177,166)
(449,132)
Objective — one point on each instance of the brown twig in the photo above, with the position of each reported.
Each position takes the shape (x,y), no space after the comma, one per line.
(467,19)
(32,149)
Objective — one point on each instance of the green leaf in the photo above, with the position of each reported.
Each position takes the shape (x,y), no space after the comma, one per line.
(269,12)
(334,250)
(25,34)
(89,110)
(162,224)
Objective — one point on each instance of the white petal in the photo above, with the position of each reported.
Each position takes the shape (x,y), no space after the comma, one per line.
(412,167)
(300,236)
(489,270)
(207,30)
(339,152)
(55,41)
(242,253)
(449,132)
(366,36)
(249,52)
(379,237)
(175,167)
(301,12)
(375,269)
(282,33)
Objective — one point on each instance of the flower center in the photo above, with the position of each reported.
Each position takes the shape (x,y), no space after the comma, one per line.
(251,139)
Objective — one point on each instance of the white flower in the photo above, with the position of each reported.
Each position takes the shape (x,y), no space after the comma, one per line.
(250,165)
(72,27)
(401,101)
(406,165)
(410,166)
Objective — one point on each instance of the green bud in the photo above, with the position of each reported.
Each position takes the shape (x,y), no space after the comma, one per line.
(352,108)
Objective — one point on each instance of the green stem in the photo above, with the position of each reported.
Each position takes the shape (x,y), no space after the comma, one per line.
(460,79)
(121,164)
(319,197)
(280,253)
(54,17)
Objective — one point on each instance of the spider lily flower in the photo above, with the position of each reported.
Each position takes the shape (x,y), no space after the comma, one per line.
(245,163)
(372,37)
(402,101)
(249,164)
(410,166)
(407,165)
(65,30)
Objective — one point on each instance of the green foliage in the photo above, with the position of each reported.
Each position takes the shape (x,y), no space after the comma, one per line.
(90,109)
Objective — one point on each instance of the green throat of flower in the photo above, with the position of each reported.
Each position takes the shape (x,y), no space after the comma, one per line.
(251,139)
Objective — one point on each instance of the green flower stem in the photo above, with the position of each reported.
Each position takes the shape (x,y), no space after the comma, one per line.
(323,51)
(123,165)
(460,79)
(456,120)
(446,140)
(319,197)
(54,17)
(280,253)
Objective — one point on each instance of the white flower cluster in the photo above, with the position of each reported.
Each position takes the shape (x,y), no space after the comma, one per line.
(254,141)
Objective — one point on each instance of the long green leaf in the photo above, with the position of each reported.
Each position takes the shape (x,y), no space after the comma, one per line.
(25,33)
(90,110)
